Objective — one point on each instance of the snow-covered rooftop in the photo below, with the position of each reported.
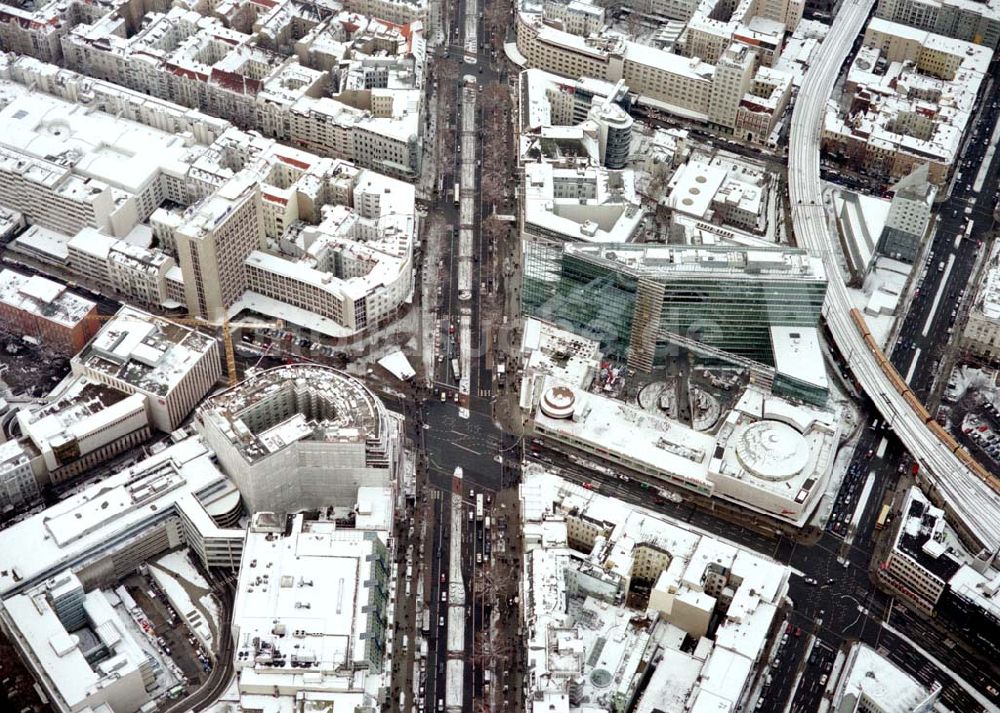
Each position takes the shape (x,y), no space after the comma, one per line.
(150,353)
(584,549)
(43,298)
(62,654)
(85,526)
(308,609)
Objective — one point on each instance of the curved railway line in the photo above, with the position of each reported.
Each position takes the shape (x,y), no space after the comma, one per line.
(968,492)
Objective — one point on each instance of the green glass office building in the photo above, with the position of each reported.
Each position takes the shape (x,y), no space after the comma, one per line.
(633,297)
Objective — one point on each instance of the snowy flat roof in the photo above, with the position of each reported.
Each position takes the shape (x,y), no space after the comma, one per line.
(654,443)
(85,526)
(302,613)
(151,353)
(797,354)
(725,261)
(884,683)
(43,298)
(59,653)
(116,151)
(548,349)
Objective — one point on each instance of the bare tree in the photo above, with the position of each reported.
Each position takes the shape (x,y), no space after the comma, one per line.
(494,230)
(497,17)
(494,97)
(446,69)
(492,185)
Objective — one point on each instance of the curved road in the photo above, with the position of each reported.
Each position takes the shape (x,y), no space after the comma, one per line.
(222,673)
(973,502)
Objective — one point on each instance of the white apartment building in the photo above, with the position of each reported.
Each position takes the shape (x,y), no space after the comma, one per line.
(574,16)
(981,335)
(213,244)
(78,646)
(302,437)
(172,365)
(976,22)
(760,25)
(18,484)
(84,426)
(400,12)
(138,273)
(913,96)
(318,627)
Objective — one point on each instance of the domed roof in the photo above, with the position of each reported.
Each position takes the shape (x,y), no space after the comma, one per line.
(558,402)
(772,450)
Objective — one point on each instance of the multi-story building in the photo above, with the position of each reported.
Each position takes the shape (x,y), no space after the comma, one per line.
(981,335)
(574,16)
(547,99)
(346,235)
(635,297)
(927,567)
(214,243)
(78,645)
(44,310)
(681,83)
(719,194)
(919,564)
(909,215)
(710,91)
(139,273)
(763,106)
(596,111)
(583,554)
(768,455)
(105,531)
(872,683)
(913,94)
(579,203)
(733,78)
(324,607)
(371,116)
(302,437)
(86,425)
(172,365)
(18,484)
(976,22)
(62,177)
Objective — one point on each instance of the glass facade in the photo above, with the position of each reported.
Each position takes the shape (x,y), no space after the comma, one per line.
(632,297)
(587,298)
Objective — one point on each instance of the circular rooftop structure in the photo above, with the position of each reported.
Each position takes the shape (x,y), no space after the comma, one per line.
(772,450)
(601,678)
(558,402)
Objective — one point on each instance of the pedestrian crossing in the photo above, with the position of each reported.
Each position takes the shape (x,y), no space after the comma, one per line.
(486,392)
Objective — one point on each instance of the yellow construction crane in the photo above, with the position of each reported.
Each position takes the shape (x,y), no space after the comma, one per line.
(227,339)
